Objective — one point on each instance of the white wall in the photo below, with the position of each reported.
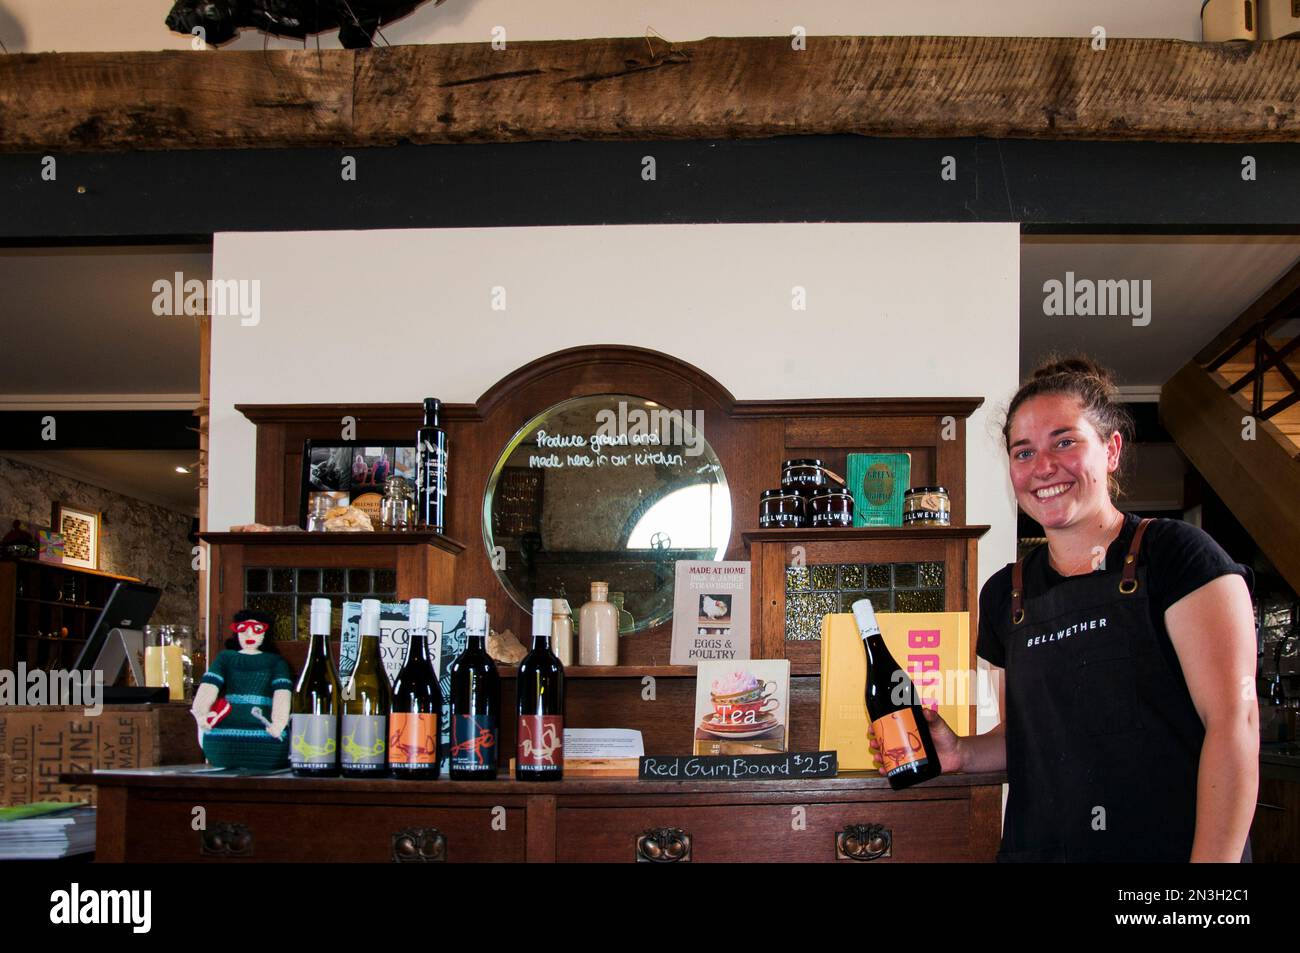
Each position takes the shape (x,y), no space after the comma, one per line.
(396,315)
(33,26)
(909,310)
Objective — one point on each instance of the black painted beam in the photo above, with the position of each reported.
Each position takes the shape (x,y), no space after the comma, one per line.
(98,430)
(1046,186)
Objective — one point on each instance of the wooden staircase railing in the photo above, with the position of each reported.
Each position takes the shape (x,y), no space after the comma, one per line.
(1251,464)
(1269,370)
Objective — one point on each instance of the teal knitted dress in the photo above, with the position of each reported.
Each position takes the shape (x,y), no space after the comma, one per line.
(247,681)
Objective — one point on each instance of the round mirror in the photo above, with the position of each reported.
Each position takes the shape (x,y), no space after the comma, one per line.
(608,488)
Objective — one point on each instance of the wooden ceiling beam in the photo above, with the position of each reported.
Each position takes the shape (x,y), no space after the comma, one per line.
(911,86)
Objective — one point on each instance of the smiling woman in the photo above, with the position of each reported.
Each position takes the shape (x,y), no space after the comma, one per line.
(1124,643)
(1126,735)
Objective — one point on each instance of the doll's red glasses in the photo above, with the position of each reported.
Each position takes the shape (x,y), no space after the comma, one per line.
(249,625)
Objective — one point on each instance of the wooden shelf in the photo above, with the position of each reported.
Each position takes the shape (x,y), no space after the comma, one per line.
(27,561)
(613,671)
(908,533)
(303,538)
(62,605)
(202,778)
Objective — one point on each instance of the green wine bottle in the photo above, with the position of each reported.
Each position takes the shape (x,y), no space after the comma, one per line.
(317,703)
(363,745)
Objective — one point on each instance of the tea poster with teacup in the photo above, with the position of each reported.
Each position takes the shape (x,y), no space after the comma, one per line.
(710,612)
(742,707)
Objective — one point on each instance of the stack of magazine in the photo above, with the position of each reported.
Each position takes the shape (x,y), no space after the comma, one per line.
(46,831)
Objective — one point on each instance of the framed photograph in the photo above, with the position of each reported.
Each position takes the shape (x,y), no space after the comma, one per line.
(80,531)
(352,472)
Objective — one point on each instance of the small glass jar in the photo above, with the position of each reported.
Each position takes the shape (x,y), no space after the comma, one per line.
(927,506)
(321,504)
(182,636)
(830,506)
(625,621)
(397,509)
(562,630)
(782,509)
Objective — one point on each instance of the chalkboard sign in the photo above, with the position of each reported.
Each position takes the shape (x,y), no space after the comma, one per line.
(790,766)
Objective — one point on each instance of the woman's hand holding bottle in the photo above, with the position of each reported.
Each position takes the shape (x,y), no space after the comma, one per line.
(951,756)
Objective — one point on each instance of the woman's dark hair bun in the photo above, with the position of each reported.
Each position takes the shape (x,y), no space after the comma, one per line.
(1080,365)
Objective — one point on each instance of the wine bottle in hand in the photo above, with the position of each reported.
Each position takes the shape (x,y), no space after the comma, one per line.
(900,727)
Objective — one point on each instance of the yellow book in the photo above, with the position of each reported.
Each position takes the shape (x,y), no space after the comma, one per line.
(934,648)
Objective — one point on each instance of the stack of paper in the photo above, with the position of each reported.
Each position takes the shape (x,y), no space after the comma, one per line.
(600,753)
(46,831)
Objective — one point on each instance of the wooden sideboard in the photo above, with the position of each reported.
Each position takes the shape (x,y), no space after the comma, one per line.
(149,816)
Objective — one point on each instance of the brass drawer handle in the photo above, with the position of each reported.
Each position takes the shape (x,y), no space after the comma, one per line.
(226,840)
(864,842)
(419,845)
(663,845)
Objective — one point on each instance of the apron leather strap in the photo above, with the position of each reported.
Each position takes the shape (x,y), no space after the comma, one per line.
(1128,579)
(1127,583)
(1018,592)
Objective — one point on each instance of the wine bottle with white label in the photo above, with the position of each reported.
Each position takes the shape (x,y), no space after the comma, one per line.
(417,704)
(363,740)
(539,683)
(900,727)
(317,702)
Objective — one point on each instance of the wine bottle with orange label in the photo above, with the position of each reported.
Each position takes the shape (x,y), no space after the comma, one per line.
(417,703)
(906,748)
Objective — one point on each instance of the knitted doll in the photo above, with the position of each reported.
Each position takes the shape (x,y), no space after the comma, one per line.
(245,684)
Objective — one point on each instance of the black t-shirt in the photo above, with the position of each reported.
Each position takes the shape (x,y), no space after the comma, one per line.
(1179,559)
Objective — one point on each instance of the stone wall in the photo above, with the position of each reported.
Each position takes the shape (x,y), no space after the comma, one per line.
(137,538)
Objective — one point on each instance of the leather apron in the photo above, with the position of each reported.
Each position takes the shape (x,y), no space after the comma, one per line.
(1103,741)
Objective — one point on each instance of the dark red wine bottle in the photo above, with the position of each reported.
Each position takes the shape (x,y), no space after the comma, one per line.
(539,743)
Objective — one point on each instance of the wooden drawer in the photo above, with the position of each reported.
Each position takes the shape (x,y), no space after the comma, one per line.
(920,830)
(162,830)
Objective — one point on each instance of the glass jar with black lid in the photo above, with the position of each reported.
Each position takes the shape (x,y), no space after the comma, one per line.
(830,506)
(805,476)
(782,509)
